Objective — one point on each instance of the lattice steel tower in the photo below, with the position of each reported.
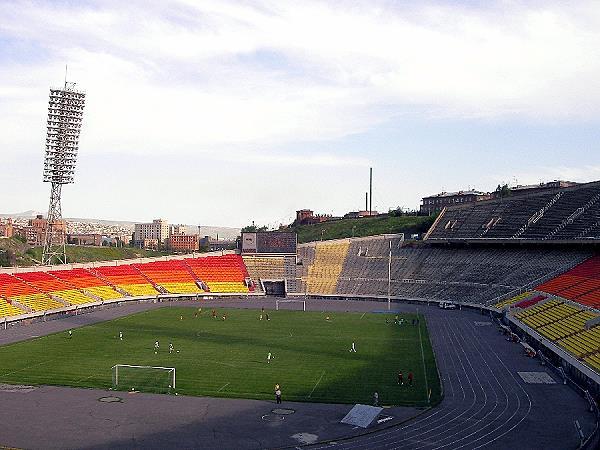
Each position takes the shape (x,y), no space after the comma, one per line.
(65,113)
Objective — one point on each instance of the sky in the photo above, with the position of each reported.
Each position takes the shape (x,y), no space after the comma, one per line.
(227,112)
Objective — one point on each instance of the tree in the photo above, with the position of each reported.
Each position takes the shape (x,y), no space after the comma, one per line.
(503,191)
(253,228)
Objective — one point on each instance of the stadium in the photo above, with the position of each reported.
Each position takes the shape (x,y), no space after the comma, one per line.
(482,335)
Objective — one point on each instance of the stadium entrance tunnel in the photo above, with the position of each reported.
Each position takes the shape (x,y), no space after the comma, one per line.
(275,288)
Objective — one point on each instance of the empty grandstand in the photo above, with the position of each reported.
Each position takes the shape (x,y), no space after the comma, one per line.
(562,214)
(580,284)
(471,275)
(225,274)
(173,277)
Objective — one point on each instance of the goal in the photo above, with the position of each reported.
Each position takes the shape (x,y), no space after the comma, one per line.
(127,377)
(279,303)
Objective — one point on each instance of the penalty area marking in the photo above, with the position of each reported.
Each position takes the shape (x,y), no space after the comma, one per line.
(223,387)
(315,386)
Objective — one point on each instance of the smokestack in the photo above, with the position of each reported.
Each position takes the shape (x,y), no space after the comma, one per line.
(370,191)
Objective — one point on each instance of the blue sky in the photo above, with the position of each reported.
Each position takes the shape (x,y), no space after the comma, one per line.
(221,113)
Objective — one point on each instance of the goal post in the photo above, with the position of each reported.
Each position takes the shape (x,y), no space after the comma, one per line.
(278,303)
(143,378)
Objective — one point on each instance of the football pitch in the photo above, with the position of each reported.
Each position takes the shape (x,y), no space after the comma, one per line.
(311,357)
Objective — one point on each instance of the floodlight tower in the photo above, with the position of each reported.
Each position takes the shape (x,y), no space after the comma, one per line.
(65,113)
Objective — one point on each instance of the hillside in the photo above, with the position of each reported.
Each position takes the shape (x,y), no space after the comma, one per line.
(14,252)
(366,226)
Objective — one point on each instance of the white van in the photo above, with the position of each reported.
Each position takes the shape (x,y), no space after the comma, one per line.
(447,305)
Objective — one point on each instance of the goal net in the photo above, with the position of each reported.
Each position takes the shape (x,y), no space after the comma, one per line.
(127,377)
(296,305)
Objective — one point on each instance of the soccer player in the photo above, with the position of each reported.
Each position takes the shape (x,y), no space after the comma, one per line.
(400,379)
(277,394)
(70,334)
(224,316)
(156,347)
(260,317)
(171,347)
(269,356)
(396,320)
(180,317)
(214,314)
(267,316)
(410,378)
(353,348)
(120,335)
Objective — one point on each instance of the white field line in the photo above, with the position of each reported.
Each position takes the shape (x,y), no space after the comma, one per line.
(363,315)
(25,368)
(84,378)
(223,387)
(315,386)
(424,368)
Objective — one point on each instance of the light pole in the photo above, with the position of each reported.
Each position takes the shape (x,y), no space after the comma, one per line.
(390,277)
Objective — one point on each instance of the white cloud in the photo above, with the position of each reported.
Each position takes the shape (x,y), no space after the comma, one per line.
(192,74)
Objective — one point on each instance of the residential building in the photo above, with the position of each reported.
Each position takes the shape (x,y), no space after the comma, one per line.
(6,228)
(157,230)
(85,239)
(435,203)
(181,242)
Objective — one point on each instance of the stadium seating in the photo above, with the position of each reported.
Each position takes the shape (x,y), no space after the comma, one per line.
(265,267)
(221,274)
(15,290)
(7,310)
(127,278)
(512,301)
(580,284)
(87,282)
(468,274)
(545,313)
(566,325)
(173,276)
(570,213)
(327,266)
(55,287)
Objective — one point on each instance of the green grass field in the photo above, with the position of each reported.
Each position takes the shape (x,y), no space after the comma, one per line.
(228,358)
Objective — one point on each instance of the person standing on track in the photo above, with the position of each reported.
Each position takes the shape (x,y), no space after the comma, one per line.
(277,394)
(400,378)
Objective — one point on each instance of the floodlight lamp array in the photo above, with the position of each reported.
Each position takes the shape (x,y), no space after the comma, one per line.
(65,114)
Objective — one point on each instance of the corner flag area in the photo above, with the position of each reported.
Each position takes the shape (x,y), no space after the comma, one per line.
(226,355)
